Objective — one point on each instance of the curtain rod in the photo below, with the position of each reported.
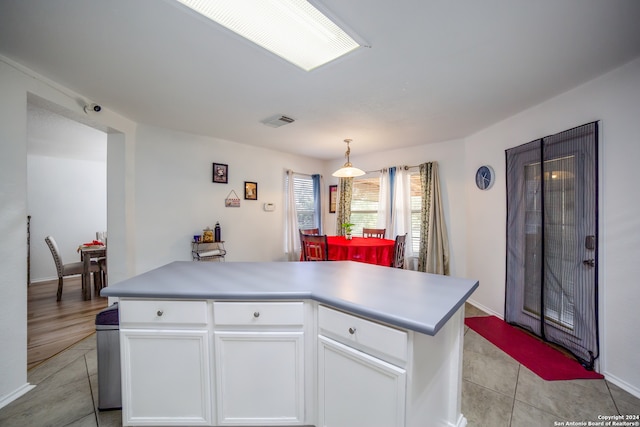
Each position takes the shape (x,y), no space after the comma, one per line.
(304,174)
(405,167)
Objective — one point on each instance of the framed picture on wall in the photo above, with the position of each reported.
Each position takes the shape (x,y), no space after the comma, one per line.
(250,190)
(220,173)
(333,198)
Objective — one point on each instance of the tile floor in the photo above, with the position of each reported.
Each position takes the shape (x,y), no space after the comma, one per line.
(496,391)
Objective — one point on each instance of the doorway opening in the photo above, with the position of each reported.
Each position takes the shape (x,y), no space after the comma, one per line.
(66,198)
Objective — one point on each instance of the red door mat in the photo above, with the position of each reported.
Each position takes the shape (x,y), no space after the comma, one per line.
(544,360)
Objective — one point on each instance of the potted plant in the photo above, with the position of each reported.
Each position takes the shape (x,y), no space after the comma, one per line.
(348,228)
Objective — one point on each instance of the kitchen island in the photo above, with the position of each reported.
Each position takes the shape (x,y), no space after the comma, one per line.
(291,343)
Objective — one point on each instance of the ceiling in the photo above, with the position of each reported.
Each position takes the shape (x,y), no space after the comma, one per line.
(436,70)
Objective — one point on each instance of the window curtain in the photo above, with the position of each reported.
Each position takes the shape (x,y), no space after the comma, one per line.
(434,245)
(384,203)
(317,200)
(343,214)
(401,212)
(292,238)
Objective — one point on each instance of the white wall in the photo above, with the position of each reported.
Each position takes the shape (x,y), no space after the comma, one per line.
(13,228)
(67,199)
(614,99)
(176,198)
(16,84)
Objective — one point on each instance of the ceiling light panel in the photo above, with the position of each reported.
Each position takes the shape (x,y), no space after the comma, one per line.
(292,29)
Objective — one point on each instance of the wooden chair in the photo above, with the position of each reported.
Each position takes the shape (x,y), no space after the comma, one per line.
(398,251)
(314,247)
(102,262)
(374,232)
(70,269)
(311,231)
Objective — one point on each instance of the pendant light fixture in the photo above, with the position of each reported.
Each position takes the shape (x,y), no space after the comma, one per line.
(348,171)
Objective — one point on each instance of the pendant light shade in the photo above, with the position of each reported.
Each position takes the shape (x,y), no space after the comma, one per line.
(348,171)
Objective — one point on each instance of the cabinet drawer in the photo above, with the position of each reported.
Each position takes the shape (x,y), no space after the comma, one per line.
(371,337)
(163,312)
(258,313)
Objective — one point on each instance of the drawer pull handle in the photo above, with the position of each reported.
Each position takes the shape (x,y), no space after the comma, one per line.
(352,331)
(256,314)
(160,313)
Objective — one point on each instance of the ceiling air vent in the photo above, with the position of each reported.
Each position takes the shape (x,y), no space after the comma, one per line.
(277,121)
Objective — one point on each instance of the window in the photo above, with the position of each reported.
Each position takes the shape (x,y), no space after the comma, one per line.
(365,201)
(305,201)
(364,204)
(416,207)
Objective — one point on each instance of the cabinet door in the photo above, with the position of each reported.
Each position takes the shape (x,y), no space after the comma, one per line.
(260,378)
(166,377)
(356,389)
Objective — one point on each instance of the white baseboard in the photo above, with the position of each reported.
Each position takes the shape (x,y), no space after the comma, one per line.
(485,309)
(5,400)
(622,384)
(462,422)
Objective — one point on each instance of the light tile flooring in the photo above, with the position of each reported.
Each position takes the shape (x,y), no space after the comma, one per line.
(496,391)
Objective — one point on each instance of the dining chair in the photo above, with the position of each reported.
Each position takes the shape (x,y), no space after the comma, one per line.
(102,262)
(374,232)
(69,269)
(314,247)
(312,231)
(398,251)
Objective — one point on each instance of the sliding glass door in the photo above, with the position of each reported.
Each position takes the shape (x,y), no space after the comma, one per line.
(552,240)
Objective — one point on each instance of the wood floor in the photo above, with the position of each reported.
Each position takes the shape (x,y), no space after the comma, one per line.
(53,326)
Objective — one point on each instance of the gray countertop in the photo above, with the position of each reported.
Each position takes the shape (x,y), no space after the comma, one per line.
(408,299)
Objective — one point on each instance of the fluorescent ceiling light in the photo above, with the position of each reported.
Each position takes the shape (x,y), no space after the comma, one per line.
(292,29)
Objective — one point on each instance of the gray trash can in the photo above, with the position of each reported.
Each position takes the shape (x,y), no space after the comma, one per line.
(108,348)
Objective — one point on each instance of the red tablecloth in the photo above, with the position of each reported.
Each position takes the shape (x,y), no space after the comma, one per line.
(369,250)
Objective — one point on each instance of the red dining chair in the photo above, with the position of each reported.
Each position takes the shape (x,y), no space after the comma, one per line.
(374,232)
(398,251)
(311,231)
(314,247)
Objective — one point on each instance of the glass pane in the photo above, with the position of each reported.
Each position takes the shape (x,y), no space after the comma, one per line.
(533,238)
(305,204)
(560,240)
(416,207)
(364,204)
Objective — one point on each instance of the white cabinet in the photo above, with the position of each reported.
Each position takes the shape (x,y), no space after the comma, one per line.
(260,369)
(165,361)
(252,363)
(356,388)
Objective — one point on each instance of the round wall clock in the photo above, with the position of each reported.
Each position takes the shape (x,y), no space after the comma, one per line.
(485,177)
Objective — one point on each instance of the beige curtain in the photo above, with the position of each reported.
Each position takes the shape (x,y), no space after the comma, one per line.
(434,244)
(343,214)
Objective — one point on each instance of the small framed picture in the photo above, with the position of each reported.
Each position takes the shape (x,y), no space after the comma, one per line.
(250,190)
(220,173)
(333,197)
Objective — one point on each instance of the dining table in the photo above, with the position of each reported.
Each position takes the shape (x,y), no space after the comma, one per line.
(369,250)
(87,253)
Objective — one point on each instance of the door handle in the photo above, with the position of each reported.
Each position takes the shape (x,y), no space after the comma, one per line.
(589,262)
